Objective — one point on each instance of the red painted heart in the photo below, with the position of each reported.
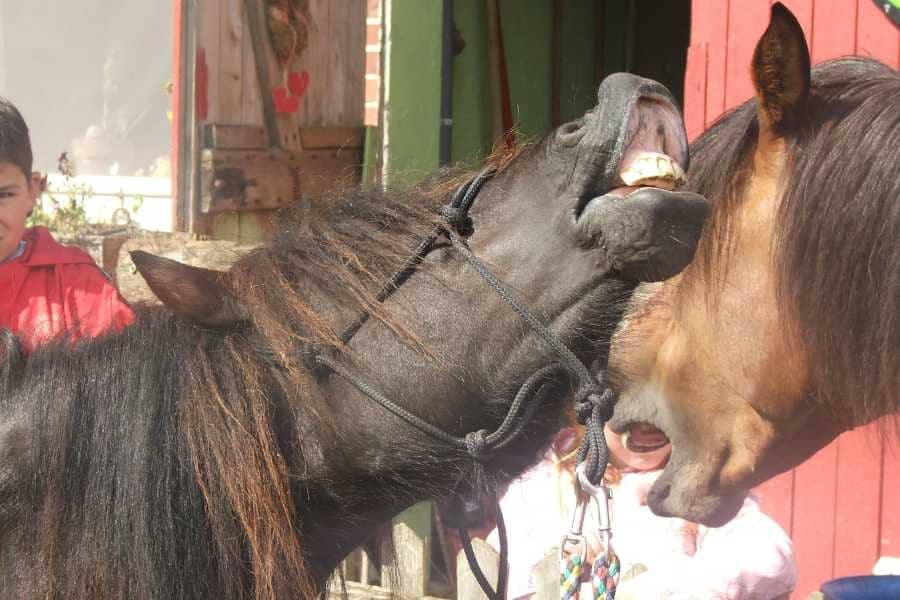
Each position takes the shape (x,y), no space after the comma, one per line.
(284,102)
(298,82)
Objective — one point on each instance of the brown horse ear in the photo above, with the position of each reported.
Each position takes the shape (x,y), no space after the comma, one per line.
(193,293)
(781,72)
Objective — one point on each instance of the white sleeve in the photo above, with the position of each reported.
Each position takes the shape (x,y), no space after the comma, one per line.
(748,558)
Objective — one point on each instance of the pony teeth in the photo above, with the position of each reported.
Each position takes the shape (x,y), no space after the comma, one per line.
(656,168)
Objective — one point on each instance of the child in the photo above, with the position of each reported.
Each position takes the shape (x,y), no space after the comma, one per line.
(46,289)
(748,558)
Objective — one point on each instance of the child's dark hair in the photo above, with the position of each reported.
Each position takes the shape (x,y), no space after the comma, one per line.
(15,145)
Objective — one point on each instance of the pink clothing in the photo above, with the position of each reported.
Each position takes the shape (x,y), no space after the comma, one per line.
(749,558)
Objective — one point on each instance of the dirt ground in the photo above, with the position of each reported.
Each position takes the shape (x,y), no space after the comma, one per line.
(112,252)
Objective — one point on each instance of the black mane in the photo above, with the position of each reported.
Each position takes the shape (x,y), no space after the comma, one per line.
(201,504)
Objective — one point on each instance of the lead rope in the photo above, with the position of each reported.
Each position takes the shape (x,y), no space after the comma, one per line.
(606,566)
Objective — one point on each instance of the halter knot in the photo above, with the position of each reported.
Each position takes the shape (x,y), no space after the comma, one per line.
(477,445)
(459,220)
(591,397)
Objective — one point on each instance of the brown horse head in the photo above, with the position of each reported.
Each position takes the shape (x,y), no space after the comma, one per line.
(785,330)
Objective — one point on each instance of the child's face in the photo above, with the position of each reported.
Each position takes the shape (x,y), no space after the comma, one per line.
(17,197)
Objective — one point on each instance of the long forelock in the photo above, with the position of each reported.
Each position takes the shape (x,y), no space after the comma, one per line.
(837,252)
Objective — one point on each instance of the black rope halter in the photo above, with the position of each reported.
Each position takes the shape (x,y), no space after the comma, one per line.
(593,403)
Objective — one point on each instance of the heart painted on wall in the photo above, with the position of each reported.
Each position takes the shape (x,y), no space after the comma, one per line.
(298,82)
(285,103)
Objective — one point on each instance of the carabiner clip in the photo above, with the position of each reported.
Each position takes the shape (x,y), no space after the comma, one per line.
(575,536)
(601,495)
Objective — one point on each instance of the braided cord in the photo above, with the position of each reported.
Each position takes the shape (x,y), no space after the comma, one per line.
(570,579)
(605,575)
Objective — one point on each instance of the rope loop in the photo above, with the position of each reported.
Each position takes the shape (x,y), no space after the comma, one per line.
(458,218)
(477,445)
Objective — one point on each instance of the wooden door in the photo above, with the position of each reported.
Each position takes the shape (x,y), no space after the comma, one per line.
(263,125)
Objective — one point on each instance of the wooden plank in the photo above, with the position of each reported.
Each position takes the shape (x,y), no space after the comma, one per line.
(889,542)
(189,189)
(467,587)
(746,23)
(351,566)
(233,137)
(858,501)
(239,180)
(695,90)
(709,25)
(412,547)
(813,520)
(180,167)
(208,15)
(269,73)
(313,138)
(335,64)
(231,76)
(314,61)
(357,591)
(776,497)
(876,34)
(251,95)
(354,53)
(546,577)
(835,29)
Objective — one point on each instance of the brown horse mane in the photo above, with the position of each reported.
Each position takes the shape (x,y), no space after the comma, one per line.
(837,254)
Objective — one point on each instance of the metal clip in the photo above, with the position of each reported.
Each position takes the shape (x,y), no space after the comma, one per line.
(601,495)
(575,535)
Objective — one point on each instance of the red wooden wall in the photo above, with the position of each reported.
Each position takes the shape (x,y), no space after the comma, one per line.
(842,507)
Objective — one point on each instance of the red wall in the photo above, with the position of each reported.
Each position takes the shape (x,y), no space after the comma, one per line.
(841,507)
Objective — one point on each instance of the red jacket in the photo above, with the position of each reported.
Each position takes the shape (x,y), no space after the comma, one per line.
(51,289)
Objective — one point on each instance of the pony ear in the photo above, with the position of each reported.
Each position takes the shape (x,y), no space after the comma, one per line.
(193,293)
(781,72)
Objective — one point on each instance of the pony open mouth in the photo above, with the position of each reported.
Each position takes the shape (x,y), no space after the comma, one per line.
(643,437)
(642,169)
(656,151)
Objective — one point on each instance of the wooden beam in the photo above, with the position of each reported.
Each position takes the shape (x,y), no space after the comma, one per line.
(412,545)
(255,13)
(234,137)
(315,138)
(242,180)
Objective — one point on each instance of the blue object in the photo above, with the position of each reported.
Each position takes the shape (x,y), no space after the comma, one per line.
(863,587)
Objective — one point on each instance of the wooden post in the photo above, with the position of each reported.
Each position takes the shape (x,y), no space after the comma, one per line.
(467,587)
(412,547)
(546,578)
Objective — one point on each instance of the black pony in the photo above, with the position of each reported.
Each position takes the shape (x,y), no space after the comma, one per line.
(197,454)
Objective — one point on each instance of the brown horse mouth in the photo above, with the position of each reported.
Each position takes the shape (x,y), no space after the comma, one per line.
(643,438)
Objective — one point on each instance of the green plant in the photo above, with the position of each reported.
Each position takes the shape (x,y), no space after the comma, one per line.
(62,211)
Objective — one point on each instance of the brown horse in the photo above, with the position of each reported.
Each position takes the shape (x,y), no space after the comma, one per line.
(200,453)
(785,331)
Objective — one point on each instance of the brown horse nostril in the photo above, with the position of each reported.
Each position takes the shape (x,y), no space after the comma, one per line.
(657,495)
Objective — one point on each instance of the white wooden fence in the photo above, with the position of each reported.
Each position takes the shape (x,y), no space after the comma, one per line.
(423,568)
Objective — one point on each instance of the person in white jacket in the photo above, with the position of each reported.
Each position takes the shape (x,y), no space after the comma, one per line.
(749,558)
